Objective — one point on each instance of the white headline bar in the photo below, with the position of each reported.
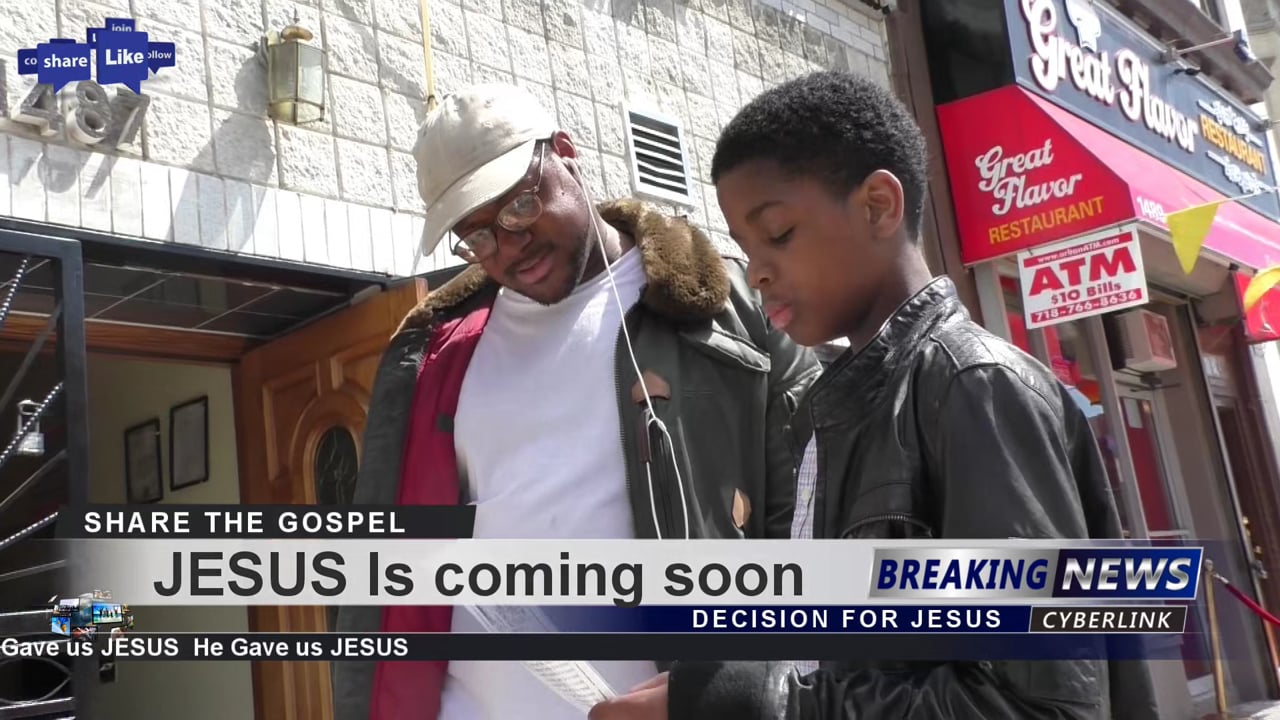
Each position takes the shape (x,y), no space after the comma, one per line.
(587,572)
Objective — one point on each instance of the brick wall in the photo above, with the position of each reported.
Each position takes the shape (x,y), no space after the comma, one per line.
(209,168)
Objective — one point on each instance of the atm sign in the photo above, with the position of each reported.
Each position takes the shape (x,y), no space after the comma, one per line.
(1096,274)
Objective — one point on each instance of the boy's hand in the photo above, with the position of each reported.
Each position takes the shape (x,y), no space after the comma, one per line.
(646,701)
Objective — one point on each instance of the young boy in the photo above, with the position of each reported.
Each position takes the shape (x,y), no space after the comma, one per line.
(929,426)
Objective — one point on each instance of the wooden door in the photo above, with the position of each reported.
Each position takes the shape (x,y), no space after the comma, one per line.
(301,403)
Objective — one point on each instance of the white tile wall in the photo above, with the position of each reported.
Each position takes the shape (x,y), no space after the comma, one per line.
(210,169)
(127,203)
(157,212)
(266,222)
(239,216)
(78,188)
(95,193)
(289,228)
(184,206)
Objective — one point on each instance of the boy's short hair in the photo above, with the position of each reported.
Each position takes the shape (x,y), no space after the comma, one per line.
(834,126)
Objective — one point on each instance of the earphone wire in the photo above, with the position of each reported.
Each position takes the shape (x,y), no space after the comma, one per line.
(653,418)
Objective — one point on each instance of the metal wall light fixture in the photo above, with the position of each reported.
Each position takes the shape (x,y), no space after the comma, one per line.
(295,75)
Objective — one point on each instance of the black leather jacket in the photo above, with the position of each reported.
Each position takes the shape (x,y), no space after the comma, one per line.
(938,429)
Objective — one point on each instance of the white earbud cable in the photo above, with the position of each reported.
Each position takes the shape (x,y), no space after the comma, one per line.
(635,364)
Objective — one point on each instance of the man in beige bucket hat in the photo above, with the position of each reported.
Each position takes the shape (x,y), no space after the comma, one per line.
(517,386)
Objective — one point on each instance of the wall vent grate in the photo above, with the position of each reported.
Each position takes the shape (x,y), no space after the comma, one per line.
(659,165)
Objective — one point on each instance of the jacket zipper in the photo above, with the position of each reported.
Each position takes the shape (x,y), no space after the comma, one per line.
(900,517)
(620,347)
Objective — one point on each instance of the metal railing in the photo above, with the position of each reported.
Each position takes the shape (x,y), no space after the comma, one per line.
(28,569)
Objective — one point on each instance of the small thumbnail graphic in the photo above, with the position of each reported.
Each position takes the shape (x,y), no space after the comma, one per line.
(89,615)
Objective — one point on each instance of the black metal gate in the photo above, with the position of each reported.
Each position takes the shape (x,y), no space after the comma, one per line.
(44,466)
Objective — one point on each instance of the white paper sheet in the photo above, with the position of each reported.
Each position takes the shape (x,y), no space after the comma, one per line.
(578,682)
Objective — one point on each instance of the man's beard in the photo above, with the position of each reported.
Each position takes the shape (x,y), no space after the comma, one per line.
(578,261)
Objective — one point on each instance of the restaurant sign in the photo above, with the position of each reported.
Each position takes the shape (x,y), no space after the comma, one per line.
(1019,179)
(1085,57)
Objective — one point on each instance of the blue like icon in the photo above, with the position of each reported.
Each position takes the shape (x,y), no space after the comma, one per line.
(122,58)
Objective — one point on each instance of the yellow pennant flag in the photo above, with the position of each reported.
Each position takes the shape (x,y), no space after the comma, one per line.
(1259,285)
(1188,229)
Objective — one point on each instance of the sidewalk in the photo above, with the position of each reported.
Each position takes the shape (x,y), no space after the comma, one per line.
(1261,710)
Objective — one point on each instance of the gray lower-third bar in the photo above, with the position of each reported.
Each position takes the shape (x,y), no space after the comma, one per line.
(1112,619)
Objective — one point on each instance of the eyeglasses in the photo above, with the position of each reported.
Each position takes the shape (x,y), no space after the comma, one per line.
(516,216)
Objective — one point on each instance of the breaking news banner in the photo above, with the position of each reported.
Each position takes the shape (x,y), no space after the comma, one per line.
(623,598)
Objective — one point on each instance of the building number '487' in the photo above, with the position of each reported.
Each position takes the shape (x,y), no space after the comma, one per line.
(95,118)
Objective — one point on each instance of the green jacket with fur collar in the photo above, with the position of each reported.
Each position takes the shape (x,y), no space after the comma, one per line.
(723,381)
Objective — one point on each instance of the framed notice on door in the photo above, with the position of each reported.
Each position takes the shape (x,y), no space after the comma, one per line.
(1089,275)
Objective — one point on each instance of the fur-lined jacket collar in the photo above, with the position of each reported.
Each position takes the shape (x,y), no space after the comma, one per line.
(686,278)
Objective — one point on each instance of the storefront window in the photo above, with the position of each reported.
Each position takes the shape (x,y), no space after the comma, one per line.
(1148,454)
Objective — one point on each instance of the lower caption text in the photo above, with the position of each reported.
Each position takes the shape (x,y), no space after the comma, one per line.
(708,633)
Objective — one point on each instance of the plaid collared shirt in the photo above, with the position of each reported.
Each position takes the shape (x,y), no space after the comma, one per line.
(806,484)
(802,521)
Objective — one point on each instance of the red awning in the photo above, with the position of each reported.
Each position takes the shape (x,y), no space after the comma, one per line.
(1025,172)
